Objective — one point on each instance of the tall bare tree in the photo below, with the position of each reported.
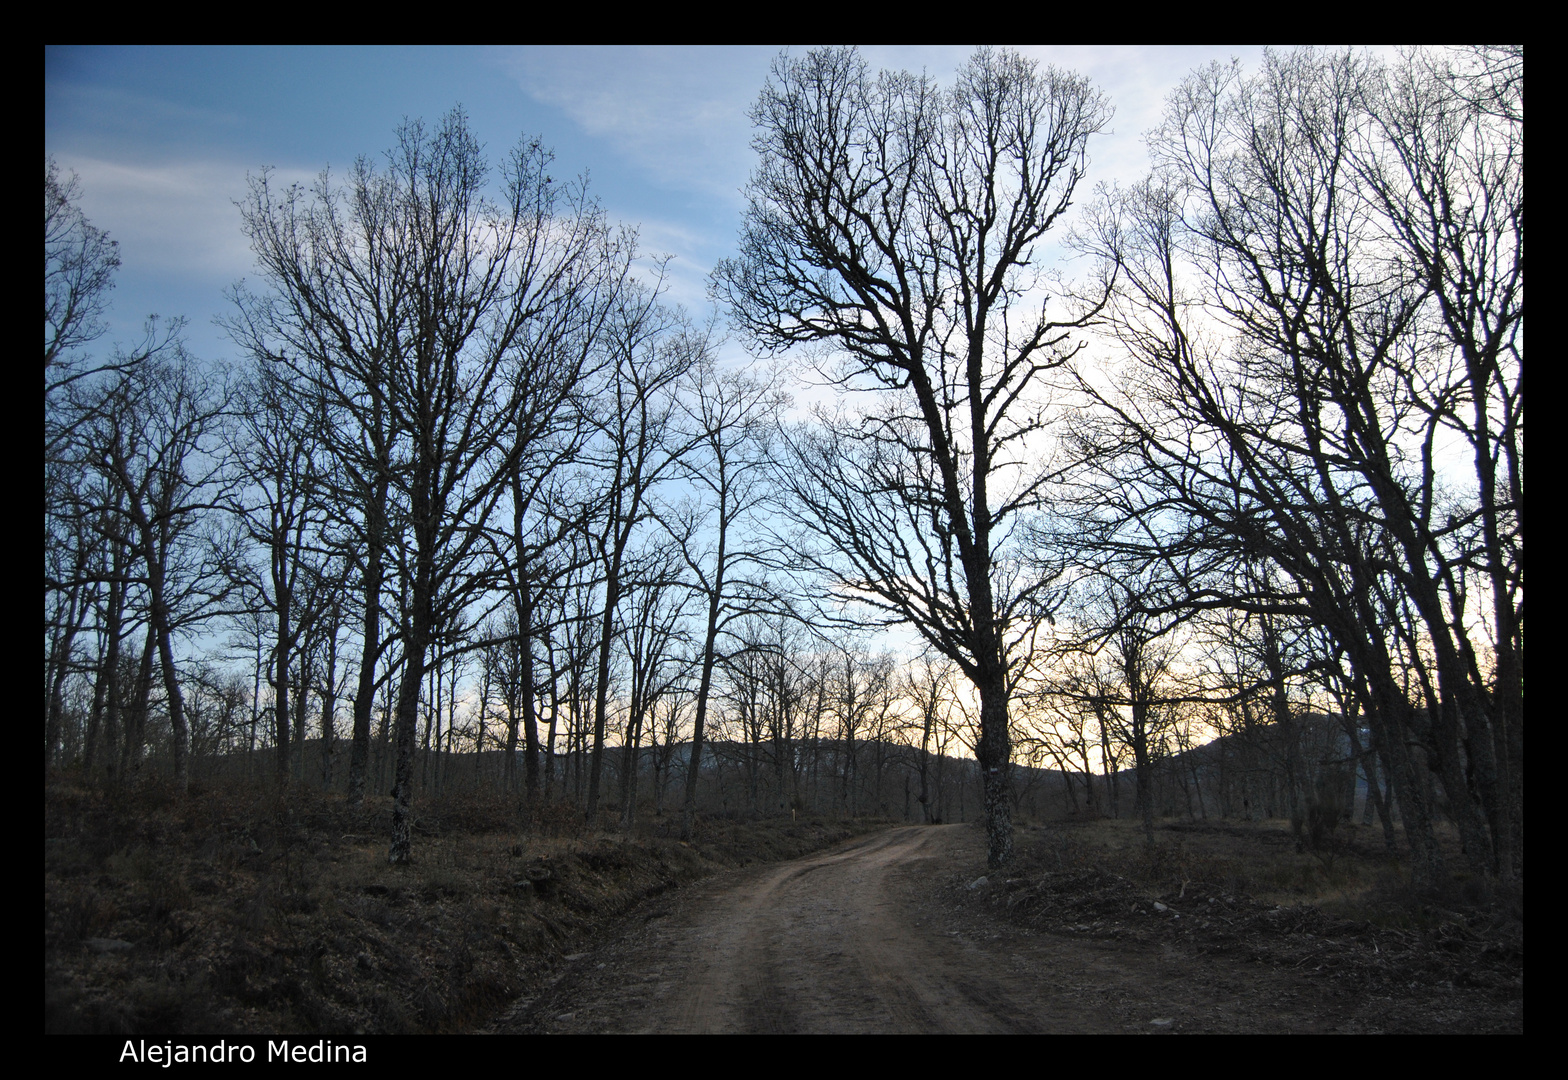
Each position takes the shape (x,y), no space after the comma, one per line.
(566,350)
(637,449)
(728,419)
(85,535)
(334,314)
(281,505)
(900,226)
(655,663)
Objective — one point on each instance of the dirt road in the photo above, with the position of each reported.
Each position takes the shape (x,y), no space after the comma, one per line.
(872,937)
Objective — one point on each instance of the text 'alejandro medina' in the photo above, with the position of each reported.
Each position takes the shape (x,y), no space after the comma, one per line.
(322,1051)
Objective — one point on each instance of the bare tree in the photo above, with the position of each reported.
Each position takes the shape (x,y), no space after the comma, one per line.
(928,685)
(727,418)
(1068,711)
(322,649)
(80,261)
(409,300)
(155,434)
(281,507)
(900,226)
(79,266)
(85,549)
(655,664)
(112,619)
(562,357)
(1138,711)
(480,274)
(335,314)
(1444,163)
(637,449)
(1321,285)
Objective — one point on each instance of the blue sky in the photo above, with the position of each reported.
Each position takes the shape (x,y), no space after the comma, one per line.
(163,138)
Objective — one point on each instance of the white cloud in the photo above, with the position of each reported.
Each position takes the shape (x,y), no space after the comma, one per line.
(679,113)
(177,219)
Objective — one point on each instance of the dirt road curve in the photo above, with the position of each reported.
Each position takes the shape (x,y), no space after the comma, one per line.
(861,939)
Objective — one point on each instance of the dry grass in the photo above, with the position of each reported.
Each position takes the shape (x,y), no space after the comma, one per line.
(1449,958)
(234,911)
(1260,859)
(1353,872)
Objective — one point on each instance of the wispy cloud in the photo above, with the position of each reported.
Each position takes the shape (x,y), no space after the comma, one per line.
(678,113)
(175,218)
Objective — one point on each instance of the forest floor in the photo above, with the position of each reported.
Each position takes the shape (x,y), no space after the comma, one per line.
(905,931)
(232,911)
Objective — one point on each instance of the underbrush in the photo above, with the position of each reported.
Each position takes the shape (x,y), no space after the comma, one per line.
(233,910)
(1261,859)
(1242,890)
(1353,874)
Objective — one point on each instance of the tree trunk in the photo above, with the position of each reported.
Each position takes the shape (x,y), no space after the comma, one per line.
(704,686)
(406,737)
(601,702)
(329,706)
(365,695)
(525,611)
(994,753)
